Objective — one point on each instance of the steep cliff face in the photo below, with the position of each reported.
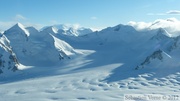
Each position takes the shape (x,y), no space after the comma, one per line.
(157,55)
(8,59)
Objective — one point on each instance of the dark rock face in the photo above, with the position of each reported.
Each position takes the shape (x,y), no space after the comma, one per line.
(176,44)
(155,55)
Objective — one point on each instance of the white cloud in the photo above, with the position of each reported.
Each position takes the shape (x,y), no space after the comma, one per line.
(173,12)
(94,18)
(76,26)
(19,17)
(172,25)
(170,12)
(139,25)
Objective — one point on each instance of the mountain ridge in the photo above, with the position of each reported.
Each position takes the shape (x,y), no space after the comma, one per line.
(28,43)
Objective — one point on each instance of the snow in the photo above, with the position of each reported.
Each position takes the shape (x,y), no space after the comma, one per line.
(63,46)
(167,54)
(23,67)
(21,27)
(39,45)
(51,30)
(87,84)
(69,30)
(97,66)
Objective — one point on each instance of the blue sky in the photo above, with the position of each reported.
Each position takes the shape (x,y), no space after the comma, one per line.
(88,13)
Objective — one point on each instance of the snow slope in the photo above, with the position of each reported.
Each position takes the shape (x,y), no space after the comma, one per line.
(37,48)
(88,78)
(103,65)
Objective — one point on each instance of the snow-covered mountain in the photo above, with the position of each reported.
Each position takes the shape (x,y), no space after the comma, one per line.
(68,30)
(36,48)
(150,45)
(50,45)
(101,65)
(162,34)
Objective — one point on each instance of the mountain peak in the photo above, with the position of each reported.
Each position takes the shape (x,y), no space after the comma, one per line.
(18,27)
(161,34)
(162,31)
(69,30)
(19,24)
(51,29)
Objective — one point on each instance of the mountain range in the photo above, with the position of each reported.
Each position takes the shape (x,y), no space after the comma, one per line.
(65,63)
(30,47)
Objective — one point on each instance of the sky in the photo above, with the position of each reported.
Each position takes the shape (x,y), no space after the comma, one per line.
(88,13)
